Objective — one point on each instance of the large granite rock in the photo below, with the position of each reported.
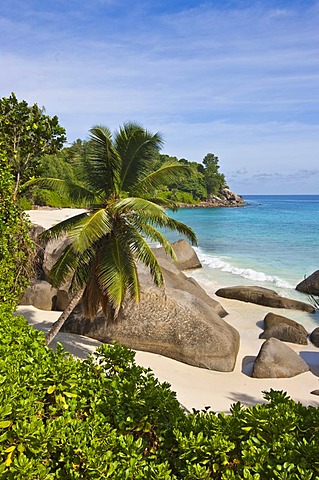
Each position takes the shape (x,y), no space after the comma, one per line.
(177,280)
(180,322)
(174,323)
(314,337)
(41,295)
(186,255)
(310,284)
(284,329)
(263,296)
(277,360)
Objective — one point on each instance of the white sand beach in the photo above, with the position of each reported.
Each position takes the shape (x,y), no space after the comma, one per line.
(197,387)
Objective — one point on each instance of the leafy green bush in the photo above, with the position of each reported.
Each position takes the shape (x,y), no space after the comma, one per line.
(66,419)
(16,248)
(106,417)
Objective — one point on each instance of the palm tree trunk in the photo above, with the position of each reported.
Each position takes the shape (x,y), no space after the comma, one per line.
(63,317)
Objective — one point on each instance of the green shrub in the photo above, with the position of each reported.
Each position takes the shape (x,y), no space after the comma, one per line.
(106,417)
(62,418)
(16,248)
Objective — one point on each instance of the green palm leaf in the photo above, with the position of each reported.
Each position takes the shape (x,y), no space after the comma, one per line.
(64,267)
(142,251)
(90,229)
(103,165)
(63,227)
(136,147)
(116,272)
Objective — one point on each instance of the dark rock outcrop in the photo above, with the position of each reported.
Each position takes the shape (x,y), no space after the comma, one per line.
(310,284)
(263,296)
(277,360)
(314,337)
(284,329)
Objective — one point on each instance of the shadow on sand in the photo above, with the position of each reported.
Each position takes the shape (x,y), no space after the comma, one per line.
(77,345)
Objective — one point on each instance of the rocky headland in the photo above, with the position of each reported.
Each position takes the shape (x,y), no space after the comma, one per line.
(225,198)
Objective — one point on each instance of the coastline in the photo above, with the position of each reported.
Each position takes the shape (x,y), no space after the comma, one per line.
(197,387)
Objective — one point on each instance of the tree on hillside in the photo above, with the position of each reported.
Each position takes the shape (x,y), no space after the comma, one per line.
(109,240)
(26,134)
(213,178)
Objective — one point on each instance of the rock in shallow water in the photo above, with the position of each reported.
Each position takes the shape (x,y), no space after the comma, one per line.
(310,285)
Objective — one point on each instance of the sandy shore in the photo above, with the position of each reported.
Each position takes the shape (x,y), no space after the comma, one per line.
(196,387)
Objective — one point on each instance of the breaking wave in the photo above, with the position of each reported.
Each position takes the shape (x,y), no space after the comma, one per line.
(249,273)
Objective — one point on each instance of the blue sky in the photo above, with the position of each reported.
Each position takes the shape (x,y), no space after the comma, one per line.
(236,78)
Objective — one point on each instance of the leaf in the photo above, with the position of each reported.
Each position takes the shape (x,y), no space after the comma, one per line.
(70,395)
(51,389)
(10,449)
(5,424)
(9,458)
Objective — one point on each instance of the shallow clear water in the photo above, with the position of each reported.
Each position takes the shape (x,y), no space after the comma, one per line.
(273,241)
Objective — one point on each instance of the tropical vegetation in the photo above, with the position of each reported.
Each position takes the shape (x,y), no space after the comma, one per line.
(26,134)
(106,417)
(16,248)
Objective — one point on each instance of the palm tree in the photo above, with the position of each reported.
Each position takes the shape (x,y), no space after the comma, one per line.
(110,238)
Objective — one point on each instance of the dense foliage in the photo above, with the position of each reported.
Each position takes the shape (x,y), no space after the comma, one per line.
(26,134)
(204,181)
(106,417)
(16,248)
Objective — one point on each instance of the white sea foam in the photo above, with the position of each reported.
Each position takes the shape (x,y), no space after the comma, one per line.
(249,273)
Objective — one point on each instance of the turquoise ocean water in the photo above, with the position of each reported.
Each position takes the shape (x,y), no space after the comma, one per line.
(273,242)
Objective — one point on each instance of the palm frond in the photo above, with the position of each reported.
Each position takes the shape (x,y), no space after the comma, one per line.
(84,269)
(168,172)
(90,229)
(137,204)
(64,267)
(163,202)
(175,225)
(155,235)
(143,253)
(102,166)
(116,272)
(63,227)
(136,147)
